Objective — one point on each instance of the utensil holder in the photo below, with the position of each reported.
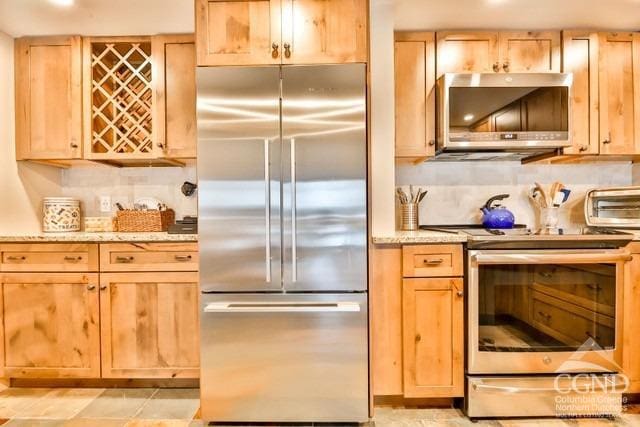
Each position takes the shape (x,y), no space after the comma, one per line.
(549,218)
(409,216)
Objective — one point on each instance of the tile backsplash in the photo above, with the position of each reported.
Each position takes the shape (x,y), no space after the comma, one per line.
(458,189)
(125,185)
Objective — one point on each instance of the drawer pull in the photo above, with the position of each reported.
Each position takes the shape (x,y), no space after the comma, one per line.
(594,288)
(91,287)
(103,288)
(73,258)
(545,315)
(546,274)
(124,259)
(436,261)
(16,258)
(183,258)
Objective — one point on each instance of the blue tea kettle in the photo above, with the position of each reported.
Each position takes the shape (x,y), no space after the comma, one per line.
(497,216)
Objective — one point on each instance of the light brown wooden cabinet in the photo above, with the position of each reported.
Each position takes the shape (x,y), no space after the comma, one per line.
(619,77)
(150,325)
(631,320)
(505,51)
(51,325)
(415,97)
(416,321)
(580,57)
(48,96)
(122,100)
(174,60)
(433,337)
(265,32)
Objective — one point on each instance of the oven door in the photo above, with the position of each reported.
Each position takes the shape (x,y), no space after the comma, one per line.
(544,311)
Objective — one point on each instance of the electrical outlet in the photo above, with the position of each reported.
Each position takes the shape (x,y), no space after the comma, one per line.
(105,204)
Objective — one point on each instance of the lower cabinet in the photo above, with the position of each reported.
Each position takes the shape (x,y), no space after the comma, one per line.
(150,325)
(631,320)
(433,337)
(51,325)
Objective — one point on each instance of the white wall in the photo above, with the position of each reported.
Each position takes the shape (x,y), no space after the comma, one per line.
(458,189)
(22,185)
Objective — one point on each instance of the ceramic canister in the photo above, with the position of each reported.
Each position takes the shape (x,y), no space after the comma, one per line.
(60,214)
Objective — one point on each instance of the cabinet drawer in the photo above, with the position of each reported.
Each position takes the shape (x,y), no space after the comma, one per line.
(570,324)
(42,257)
(149,257)
(432,260)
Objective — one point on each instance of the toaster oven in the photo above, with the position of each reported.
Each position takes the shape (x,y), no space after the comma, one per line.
(613,207)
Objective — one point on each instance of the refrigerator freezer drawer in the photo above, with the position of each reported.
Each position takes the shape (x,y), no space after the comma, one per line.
(284,358)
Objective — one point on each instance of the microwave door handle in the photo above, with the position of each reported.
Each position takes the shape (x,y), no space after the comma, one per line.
(551,257)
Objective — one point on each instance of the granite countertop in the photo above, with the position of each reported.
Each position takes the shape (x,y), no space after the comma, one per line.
(420,236)
(99,237)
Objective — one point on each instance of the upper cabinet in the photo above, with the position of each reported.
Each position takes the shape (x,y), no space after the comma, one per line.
(48,78)
(121,100)
(619,77)
(487,51)
(245,32)
(580,57)
(175,89)
(415,94)
(264,32)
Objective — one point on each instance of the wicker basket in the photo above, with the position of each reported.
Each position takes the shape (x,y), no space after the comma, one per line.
(144,221)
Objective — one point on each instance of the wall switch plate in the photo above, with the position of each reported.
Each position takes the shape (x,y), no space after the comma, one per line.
(105,204)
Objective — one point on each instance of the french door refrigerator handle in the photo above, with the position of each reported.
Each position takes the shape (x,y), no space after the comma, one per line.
(267,211)
(276,307)
(294,249)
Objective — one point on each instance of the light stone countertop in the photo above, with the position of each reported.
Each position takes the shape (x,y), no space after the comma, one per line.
(99,237)
(420,236)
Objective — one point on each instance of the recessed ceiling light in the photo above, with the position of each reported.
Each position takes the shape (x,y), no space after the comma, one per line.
(63,3)
(468,117)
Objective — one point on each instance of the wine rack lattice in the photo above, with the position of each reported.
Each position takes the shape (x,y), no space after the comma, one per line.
(121,97)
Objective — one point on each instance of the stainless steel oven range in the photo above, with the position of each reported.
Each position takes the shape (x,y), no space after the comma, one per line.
(543,321)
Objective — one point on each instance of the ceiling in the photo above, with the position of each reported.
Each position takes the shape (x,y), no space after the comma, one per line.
(517,14)
(131,17)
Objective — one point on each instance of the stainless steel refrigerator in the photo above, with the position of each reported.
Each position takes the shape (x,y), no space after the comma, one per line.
(282,229)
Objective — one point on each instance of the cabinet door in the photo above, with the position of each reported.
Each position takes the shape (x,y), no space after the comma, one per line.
(631,320)
(174,59)
(467,52)
(530,52)
(432,318)
(48,76)
(415,94)
(580,57)
(51,325)
(150,325)
(238,32)
(619,93)
(324,31)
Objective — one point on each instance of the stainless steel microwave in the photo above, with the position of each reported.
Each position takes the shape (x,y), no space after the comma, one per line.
(503,116)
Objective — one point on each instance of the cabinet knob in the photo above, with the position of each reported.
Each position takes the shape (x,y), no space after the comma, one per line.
(431,143)
(584,148)
(496,67)
(505,67)
(287,50)
(91,287)
(103,288)
(73,145)
(160,145)
(460,293)
(418,338)
(274,50)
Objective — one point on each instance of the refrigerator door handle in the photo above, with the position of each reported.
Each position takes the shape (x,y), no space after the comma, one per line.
(294,244)
(267,211)
(276,307)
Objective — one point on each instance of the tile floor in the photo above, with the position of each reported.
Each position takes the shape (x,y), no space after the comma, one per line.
(148,407)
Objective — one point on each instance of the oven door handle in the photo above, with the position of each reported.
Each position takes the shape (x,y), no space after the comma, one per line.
(551,257)
(587,387)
